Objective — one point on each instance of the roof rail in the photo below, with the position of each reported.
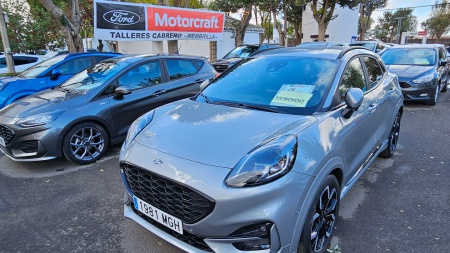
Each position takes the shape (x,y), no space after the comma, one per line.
(347,49)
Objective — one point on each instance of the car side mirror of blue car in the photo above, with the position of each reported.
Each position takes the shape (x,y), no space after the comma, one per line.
(353,98)
(55,74)
(443,62)
(120,91)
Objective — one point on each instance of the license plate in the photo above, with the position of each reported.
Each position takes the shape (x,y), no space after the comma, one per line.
(158,215)
(2,141)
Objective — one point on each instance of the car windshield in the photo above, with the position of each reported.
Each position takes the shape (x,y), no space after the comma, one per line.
(94,76)
(369,45)
(40,68)
(410,56)
(282,84)
(240,52)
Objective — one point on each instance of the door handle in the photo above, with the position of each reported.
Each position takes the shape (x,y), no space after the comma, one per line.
(373,107)
(391,91)
(158,93)
(198,81)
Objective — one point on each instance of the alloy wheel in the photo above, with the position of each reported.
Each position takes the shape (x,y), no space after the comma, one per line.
(395,132)
(324,218)
(87,143)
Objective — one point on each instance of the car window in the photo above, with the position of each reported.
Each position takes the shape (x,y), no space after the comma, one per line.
(101,58)
(409,56)
(21,60)
(75,65)
(374,70)
(199,63)
(42,67)
(145,75)
(180,68)
(353,77)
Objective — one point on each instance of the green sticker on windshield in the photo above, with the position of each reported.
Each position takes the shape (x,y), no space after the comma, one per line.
(293,95)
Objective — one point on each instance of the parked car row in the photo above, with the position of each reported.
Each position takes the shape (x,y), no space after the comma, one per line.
(255,159)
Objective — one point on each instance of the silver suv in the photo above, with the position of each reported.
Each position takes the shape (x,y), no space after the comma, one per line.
(259,160)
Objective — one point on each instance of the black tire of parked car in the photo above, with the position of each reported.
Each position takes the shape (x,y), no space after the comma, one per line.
(444,89)
(320,222)
(435,98)
(85,143)
(393,138)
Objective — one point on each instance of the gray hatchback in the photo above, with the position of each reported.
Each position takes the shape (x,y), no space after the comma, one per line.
(260,159)
(80,118)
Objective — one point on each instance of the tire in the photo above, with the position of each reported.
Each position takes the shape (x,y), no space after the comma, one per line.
(393,138)
(445,87)
(85,143)
(434,100)
(321,220)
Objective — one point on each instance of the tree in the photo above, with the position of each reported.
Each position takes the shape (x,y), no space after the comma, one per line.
(365,12)
(234,6)
(294,15)
(439,21)
(323,12)
(69,24)
(32,28)
(388,25)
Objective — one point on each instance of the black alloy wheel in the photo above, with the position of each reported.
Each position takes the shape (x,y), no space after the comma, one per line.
(85,143)
(393,138)
(321,220)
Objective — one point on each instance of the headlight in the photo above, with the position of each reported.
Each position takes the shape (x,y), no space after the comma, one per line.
(264,164)
(424,79)
(39,119)
(137,127)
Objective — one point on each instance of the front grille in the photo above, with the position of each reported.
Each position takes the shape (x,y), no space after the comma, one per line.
(168,195)
(220,68)
(405,85)
(29,146)
(6,133)
(191,239)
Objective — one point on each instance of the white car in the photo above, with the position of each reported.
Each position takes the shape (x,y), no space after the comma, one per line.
(21,62)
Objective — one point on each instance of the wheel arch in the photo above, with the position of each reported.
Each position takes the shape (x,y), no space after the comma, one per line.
(333,167)
(66,129)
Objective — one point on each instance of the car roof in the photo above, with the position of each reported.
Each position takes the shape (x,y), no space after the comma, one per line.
(417,46)
(70,55)
(335,52)
(138,57)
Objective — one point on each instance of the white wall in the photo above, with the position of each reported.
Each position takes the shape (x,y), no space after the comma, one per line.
(340,29)
(227,43)
(140,47)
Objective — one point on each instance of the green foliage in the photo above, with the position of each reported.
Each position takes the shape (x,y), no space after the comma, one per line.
(439,21)
(388,24)
(30,30)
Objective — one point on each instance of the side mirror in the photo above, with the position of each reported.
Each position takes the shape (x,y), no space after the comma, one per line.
(353,98)
(55,74)
(443,62)
(120,91)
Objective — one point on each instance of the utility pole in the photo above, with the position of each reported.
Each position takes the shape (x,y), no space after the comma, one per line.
(5,40)
(399,26)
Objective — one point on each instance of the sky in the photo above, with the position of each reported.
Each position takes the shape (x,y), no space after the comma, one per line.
(421,13)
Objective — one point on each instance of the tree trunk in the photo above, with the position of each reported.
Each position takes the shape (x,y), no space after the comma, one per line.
(278,26)
(297,33)
(70,28)
(322,30)
(241,28)
(100,46)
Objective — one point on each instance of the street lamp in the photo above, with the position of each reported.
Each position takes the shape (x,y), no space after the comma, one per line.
(399,26)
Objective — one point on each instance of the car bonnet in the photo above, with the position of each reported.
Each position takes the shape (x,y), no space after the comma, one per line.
(214,134)
(409,71)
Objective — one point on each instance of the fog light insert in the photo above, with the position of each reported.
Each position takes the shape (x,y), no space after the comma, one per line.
(259,232)
(424,95)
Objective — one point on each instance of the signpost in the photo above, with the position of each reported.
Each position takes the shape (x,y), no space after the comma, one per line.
(138,22)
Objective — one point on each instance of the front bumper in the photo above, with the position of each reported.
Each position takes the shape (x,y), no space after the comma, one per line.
(235,208)
(418,92)
(29,144)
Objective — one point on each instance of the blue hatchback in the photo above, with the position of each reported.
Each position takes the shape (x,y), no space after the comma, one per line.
(47,74)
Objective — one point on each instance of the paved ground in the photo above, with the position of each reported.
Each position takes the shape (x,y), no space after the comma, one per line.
(400,205)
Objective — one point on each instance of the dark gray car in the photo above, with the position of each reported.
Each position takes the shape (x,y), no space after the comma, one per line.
(259,160)
(80,118)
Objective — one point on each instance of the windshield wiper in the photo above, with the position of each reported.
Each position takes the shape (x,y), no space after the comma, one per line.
(206,98)
(248,106)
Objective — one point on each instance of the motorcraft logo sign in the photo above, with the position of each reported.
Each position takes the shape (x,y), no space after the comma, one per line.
(138,22)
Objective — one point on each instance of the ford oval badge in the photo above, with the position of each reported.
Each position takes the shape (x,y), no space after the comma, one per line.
(121,17)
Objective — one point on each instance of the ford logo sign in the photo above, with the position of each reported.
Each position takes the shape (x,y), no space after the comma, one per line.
(121,17)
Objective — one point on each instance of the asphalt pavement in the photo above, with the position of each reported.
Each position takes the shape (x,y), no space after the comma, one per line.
(400,205)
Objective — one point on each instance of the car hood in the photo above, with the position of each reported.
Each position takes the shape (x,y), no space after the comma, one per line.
(45,101)
(409,71)
(214,134)
(11,79)
(228,61)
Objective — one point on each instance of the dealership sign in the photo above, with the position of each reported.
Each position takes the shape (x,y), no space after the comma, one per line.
(134,22)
